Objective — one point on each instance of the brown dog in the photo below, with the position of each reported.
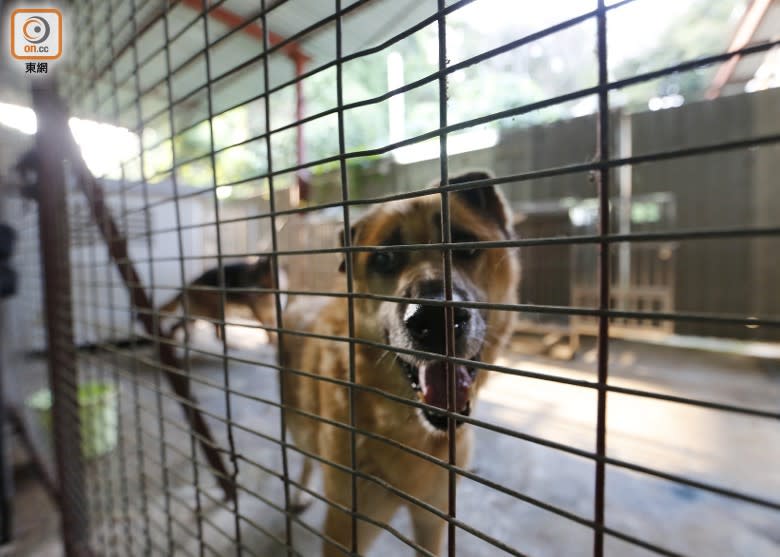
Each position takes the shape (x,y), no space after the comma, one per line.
(204,298)
(484,275)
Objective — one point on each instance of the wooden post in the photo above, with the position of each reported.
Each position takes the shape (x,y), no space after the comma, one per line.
(63,375)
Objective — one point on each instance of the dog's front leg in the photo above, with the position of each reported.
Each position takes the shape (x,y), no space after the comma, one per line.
(264,310)
(428,528)
(301,499)
(374,502)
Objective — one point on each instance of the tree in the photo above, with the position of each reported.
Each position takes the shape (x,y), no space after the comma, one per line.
(703,30)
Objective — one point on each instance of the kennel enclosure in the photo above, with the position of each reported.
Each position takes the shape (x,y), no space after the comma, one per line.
(215,100)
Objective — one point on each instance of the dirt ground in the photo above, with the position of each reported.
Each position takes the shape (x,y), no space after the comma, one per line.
(729,450)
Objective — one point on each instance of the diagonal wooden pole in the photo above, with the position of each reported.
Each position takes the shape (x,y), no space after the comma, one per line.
(118,251)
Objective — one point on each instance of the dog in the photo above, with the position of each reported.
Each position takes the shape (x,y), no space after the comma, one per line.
(478,275)
(203,299)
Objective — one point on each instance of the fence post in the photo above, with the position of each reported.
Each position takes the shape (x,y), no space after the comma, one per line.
(61,353)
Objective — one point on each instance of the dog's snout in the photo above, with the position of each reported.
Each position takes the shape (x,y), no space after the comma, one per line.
(427,325)
(461,319)
(420,321)
(423,320)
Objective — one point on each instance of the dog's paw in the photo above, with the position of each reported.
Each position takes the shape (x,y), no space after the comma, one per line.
(300,502)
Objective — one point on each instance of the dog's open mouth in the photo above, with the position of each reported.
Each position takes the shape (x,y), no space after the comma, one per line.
(430,380)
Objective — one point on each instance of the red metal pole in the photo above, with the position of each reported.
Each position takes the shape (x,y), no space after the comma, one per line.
(300,190)
(233,20)
(303,175)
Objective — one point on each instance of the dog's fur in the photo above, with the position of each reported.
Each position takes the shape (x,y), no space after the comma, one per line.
(487,275)
(201,302)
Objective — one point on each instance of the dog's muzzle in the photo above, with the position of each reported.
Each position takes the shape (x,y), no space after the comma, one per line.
(426,325)
(426,329)
(430,380)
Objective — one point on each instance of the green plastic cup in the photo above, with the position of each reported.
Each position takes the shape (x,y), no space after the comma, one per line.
(97,411)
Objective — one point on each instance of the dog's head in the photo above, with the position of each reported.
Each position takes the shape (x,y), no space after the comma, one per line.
(478,275)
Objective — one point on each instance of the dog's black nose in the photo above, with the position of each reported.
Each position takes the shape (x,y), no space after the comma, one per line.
(427,325)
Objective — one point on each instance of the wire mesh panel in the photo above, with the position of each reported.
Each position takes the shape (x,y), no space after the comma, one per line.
(292,280)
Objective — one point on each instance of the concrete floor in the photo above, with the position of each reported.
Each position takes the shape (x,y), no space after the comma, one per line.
(730,450)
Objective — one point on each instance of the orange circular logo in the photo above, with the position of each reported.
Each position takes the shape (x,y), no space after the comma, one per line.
(36,30)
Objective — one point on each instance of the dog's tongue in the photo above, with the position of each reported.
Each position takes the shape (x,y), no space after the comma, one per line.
(433,382)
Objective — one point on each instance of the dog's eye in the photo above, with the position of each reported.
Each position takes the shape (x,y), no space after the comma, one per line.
(386,262)
(458,237)
(467,253)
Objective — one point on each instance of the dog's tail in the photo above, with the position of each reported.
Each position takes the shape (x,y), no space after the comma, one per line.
(171,305)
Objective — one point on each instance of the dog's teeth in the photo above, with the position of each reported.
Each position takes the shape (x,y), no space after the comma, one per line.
(422,377)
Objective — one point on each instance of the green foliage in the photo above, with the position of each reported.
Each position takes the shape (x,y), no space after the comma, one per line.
(555,65)
(703,30)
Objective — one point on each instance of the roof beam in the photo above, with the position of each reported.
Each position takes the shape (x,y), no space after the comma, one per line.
(233,20)
(745,30)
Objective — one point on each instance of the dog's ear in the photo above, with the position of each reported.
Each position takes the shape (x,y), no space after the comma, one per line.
(352,231)
(487,200)
(262,264)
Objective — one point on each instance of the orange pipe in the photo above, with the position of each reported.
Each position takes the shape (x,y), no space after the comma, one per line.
(744,33)
(293,51)
(300,108)
(233,20)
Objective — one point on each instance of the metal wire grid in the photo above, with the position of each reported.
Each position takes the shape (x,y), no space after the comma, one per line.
(111,495)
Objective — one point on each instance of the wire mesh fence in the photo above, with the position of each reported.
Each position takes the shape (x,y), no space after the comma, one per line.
(209,357)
